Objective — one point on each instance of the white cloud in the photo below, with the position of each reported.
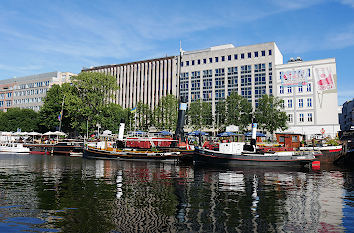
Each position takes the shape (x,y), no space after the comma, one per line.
(348,2)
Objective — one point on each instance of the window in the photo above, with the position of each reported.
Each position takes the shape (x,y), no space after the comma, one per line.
(309,102)
(235,57)
(192,62)
(290,103)
(269,52)
(242,55)
(290,89)
(219,72)
(204,61)
(281,90)
(263,53)
(181,63)
(187,63)
(300,89)
(198,61)
(309,117)
(301,117)
(290,118)
(309,88)
(255,54)
(210,60)
(229,57)
(249,55)
(216,59)
(294,139)
(301,103)
(222,58)
(281,138)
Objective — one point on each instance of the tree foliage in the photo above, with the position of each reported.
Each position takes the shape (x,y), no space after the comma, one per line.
(165,113)
(16,118)
(220,114)
(238,111)
(200,115)
(143,116)
(269,114)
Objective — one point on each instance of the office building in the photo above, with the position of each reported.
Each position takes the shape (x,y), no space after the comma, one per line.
(29,91)
(346,118)
(309,91)
(142,81)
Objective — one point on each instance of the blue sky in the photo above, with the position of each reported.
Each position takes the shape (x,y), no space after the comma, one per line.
(43,36)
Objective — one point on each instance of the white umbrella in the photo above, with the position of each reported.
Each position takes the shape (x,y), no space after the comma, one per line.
(58,133)
(34,134)
(48,133)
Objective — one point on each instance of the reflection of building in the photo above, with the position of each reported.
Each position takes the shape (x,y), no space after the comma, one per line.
(309,91)
(29,91)
(346,118)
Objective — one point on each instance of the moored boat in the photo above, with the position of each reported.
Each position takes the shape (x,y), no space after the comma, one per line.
(328,154)
(13,147)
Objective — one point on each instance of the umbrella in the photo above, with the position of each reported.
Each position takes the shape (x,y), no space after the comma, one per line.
(34,134)
(249,134)
(59,133)
(165,133)
(48,133)
(226,134)
(198,133)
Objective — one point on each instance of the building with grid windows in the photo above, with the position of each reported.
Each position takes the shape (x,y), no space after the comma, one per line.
(213,74)
(29,91)
(309,91)
(142,81)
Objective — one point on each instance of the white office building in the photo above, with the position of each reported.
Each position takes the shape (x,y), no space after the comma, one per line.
(309,91)
(29,91)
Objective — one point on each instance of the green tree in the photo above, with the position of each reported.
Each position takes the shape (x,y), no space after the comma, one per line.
(113,114)
(220,115)
(165,113)
(143,116)
(14,118)
(91,93)
(238,111)
(269,114)
(200,115)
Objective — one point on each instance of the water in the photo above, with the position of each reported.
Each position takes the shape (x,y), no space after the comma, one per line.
(62,194)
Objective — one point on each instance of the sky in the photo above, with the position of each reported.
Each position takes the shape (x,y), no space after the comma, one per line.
(59,35)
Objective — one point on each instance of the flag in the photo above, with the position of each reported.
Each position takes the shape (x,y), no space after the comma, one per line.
(133,110)
(60,115)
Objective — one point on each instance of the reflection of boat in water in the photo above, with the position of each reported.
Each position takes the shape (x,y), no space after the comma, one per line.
(13,147)
(238,153)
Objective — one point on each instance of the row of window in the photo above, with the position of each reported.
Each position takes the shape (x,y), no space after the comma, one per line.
(227,58)
(31,92)
(300,103)
(6,103)
(32,85)
(28,100)
(7,95)
(302,117)
(300,89)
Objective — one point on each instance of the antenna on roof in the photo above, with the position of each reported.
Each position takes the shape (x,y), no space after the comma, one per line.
(180,47)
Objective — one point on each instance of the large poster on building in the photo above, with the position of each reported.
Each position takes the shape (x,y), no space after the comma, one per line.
(295,77)
(324,78)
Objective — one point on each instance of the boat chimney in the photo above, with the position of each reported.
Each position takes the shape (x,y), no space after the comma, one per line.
(121,131)
(254,135)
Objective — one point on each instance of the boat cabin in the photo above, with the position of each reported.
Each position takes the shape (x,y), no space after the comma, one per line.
(292,140)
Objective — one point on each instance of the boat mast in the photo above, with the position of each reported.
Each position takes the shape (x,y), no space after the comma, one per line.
(61,113)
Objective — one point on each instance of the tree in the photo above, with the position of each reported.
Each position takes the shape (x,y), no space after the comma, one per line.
(113,114)
(269,114)
(143,116)
(165,113)
(200,115)
(238,111)
(16,118)
(220,114)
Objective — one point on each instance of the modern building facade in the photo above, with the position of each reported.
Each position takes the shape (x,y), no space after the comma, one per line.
(213,74)
(29,91)
(346,118)
(309,91)
(143,81)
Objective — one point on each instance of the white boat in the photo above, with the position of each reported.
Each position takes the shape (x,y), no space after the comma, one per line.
(13,147)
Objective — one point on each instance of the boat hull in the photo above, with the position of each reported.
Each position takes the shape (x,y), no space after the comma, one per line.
(210,157)
(328,154)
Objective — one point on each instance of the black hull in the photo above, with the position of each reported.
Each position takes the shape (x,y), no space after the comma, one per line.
(208,157)
(100,154)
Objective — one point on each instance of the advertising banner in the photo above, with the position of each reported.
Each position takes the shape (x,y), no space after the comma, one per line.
(324,78)
(295,77)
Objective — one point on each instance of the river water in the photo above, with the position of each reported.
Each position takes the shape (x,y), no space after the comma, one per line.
(62,194)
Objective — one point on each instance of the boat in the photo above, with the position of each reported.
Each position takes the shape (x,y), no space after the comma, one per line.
(67,148)
(13,147)
(327,154)
(240,153)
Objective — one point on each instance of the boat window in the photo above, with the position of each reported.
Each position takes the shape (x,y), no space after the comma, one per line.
(294,139)
(281,138)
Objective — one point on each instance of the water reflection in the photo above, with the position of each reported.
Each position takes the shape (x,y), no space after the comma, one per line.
(48,194)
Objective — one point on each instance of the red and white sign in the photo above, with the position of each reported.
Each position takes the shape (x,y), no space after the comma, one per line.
(323,131)
(324,78)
